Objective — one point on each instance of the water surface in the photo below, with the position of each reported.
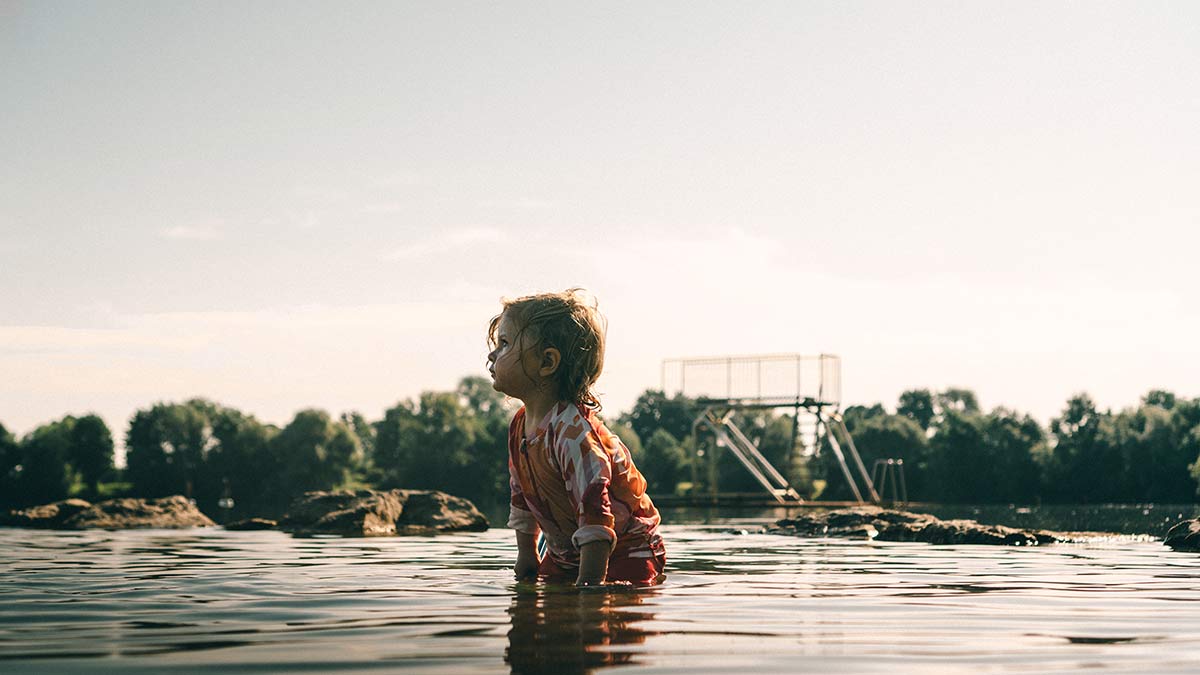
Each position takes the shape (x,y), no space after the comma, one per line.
(208,600)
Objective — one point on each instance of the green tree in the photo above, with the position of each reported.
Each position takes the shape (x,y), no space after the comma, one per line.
(772,435)
(441,441)
(481,397)
(857,415)
(1159,397)
(960,400)
(1013,446)
(1154,443)
(655,410)
(242,466)
(91,451)
(10,467)
(314,452)
(957,464)
(1082,466)
(917,405)
(166,447)
(878,436)
(664,463)
(46,474)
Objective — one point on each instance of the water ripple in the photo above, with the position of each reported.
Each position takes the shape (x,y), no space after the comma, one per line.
(210,600)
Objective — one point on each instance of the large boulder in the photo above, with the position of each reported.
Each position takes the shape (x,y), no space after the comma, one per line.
(114,514)
(1184,536)
(873,522)
(46,516)
(374,513)
(175,511)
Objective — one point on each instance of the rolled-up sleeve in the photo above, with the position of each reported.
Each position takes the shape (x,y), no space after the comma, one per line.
(520,518)
(587,471)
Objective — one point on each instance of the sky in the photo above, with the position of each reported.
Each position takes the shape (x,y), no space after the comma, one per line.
(290,205)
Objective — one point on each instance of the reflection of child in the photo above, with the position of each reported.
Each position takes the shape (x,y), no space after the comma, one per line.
(570,477)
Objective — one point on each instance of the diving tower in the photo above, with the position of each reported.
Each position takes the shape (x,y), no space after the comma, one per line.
(809,385)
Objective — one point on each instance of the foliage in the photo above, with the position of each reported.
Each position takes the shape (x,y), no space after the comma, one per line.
(167,445)
(53,461)
(90,451)
(655,410)
(10,467)
(917,405)
(46,474)
(456,441)
(877,436)
(451,441)
(664,463)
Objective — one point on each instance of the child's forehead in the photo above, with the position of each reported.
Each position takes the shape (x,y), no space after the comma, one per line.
(510,326)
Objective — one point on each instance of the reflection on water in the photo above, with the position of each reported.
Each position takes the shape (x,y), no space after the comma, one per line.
(562,630)
(216,601)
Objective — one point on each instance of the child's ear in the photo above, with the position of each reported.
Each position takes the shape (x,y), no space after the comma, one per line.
(551,357)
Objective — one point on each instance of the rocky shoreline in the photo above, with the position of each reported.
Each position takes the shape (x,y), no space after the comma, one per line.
(362,513)
(880,524)
(382,513)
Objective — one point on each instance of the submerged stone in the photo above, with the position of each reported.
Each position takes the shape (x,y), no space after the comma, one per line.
(252,524)
(873,522)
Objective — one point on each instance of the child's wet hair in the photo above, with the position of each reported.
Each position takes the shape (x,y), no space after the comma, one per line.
(571,323)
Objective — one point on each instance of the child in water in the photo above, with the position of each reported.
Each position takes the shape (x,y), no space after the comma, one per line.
(571,478)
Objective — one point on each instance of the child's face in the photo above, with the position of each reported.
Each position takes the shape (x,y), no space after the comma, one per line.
(509,363)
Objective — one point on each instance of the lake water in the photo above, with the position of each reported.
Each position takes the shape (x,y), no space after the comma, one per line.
(208,600)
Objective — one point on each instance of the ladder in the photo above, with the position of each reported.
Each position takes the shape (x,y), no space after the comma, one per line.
(730,436)
(834,425)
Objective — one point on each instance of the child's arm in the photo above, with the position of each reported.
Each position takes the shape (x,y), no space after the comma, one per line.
(526,568)
(593,563)
(520,518)
(587,470)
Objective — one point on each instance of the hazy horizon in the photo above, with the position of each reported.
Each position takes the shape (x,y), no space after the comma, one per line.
(289,205)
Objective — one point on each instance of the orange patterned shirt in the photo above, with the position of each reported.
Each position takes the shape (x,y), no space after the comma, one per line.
(576,482)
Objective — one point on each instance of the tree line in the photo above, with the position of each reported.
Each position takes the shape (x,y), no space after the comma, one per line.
(953,452)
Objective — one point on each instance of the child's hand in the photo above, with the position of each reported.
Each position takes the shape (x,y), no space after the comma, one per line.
(526,569)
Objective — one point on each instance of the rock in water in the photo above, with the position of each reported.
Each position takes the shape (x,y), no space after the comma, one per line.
(873,522)
(46,516)
(362,513)
(438,511)
(252,524)
(373,513)
(118,514)
(115,514)
(1184,536)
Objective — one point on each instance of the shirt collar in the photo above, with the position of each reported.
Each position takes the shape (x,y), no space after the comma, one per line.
(544,425)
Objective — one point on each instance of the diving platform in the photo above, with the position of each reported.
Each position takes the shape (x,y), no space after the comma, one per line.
(809,385)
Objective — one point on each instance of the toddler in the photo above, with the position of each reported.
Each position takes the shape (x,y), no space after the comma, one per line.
(571,478)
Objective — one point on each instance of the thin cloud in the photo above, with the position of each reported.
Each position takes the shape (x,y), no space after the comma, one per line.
(521,203)
(192,233)
(383,208)
(395,180)
(319,194)
(449,241)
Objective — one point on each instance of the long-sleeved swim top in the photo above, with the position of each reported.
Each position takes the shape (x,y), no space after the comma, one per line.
(576,482)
